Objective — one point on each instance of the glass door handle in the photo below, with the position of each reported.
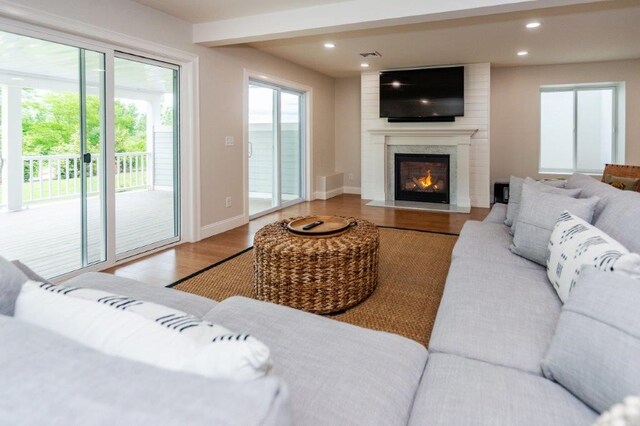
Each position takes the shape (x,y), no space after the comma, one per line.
(250,149)
(86,158)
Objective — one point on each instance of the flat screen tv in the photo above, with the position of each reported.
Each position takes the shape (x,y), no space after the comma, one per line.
(426,94)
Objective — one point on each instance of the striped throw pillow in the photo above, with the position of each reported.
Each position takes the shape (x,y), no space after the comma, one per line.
(575,243)
(143,331)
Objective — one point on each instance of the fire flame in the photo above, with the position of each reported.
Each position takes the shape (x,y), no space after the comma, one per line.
(426,181)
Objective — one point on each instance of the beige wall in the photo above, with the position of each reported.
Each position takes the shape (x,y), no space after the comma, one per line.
(221,84)
(515,110)
(347,138)
(221,167)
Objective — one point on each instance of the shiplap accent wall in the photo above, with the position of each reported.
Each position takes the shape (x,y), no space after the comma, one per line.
(476,114)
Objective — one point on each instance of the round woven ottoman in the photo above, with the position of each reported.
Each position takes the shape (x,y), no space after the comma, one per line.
(316,274)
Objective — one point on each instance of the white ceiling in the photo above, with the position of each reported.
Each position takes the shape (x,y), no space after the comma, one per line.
(486,31)
(583,33)
(197,11)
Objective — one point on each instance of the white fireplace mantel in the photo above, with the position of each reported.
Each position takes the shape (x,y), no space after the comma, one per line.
(429,132)
(374,169)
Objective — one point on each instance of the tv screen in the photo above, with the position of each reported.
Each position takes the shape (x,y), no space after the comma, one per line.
(427,94)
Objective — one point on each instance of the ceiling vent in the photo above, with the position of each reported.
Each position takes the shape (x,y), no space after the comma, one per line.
(375,54)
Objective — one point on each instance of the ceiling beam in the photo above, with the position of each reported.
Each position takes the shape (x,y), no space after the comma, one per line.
(354,15)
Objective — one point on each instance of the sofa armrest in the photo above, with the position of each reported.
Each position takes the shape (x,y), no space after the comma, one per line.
(498,214)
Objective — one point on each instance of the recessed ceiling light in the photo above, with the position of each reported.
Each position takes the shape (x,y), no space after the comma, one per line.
(364,65)
(329,45)
(523,53)
(395,83)
(264,77)
(534,24)
(424,101)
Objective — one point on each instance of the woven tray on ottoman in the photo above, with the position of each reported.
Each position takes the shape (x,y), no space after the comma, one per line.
(315,274)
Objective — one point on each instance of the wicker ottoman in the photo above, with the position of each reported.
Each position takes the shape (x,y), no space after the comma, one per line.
(315,274)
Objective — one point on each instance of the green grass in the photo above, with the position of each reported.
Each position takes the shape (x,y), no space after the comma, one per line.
(43,192)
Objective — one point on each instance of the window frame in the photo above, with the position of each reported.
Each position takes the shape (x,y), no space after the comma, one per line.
(617,148)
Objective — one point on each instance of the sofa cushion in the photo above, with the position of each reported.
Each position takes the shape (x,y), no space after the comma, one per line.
(616,211)
(176,299)
(575,243)
(459,391)
(488,242)
(48,379)
(516,185)
(501,314)
(498,214)
(143,331)
(596,347)
(538,216)
(592,188)
(337,373)
(11,280)
(619,218)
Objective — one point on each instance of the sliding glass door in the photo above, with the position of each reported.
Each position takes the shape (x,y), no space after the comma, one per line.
(52,213)
(276,147)
(146,154)
(64,204)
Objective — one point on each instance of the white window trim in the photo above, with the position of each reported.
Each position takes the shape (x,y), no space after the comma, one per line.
(35,23)
(618,138)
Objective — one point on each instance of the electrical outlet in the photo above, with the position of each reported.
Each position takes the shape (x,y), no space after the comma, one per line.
(229,141)
(227,202)
(350,176)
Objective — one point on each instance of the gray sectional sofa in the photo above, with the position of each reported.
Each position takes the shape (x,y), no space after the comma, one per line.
(483,367)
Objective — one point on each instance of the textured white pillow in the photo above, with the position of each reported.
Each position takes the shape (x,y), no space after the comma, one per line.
(143,331)
(575,243)
(626,413)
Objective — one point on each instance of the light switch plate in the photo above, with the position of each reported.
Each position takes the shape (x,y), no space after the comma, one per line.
(229,140)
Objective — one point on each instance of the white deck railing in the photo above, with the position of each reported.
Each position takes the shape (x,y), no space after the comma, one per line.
(49,177)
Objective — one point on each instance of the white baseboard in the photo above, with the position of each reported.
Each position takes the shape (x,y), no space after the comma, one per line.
(222,226)
(319,195)
(351,190)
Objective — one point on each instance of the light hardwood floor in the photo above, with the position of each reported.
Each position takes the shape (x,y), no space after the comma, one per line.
(170,265)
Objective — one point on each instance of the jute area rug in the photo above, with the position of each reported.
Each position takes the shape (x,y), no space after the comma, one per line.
(413,268)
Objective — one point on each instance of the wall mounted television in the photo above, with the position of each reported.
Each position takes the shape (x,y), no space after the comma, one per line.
(422,95)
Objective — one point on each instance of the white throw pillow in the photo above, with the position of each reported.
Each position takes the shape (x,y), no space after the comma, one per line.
(143,331)
(626,413)
(575,243)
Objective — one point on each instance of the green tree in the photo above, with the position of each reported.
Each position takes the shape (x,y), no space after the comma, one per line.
(51,124)
(131,128)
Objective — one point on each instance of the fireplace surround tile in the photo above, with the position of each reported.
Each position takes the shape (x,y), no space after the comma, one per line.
(451,151)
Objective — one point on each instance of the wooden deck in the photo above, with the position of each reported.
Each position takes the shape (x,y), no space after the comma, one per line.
(48,237)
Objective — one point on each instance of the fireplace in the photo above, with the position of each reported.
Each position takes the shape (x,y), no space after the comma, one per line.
(422,177)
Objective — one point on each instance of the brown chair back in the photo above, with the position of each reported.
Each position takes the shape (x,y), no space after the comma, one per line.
(622,170)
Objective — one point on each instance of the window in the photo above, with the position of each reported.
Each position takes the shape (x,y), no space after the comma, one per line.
(578,128)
